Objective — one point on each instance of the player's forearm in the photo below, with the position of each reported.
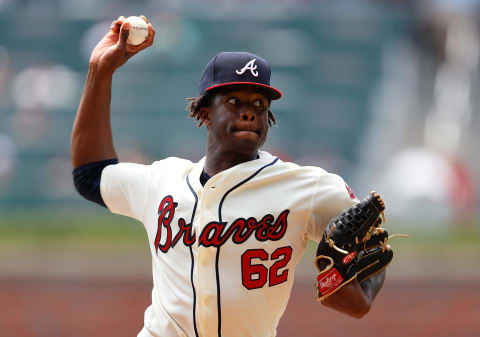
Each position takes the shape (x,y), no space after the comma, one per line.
(355,299)
(350,300)
(92,135)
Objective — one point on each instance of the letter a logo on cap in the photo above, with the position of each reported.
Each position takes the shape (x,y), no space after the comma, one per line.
(249,66)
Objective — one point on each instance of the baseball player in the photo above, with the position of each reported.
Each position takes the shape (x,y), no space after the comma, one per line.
(227,232)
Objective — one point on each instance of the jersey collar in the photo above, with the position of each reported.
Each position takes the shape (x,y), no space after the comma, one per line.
(230,176)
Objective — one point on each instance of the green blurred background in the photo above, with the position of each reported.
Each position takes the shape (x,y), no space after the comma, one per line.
(383,93)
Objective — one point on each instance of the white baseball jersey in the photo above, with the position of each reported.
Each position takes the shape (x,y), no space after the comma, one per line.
(223,254)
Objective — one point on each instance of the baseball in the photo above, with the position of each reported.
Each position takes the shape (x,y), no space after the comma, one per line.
(138,30)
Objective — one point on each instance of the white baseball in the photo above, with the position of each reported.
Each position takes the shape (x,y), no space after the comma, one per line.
(138,30)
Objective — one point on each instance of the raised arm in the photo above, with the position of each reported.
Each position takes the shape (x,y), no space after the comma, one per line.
(91,138)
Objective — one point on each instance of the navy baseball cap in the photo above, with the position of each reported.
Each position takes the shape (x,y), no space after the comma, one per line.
(229,68)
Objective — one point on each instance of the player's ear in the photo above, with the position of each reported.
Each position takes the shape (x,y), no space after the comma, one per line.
(205,114)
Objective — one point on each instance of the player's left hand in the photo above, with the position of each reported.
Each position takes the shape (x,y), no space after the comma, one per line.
(375,255)
(343,239)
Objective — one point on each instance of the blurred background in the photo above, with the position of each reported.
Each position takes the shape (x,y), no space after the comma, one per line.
(384,93)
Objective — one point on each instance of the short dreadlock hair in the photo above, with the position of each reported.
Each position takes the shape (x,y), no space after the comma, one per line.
(198,102)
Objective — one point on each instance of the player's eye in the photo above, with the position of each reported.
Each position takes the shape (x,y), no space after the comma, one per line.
(233,100)
(259,104)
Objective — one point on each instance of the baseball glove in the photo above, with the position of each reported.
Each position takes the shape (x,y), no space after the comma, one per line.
(344,238)
(375,255)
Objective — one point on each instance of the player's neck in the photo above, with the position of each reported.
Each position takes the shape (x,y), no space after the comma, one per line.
(216,161)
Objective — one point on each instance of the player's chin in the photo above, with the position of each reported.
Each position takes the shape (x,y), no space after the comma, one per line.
(247,141)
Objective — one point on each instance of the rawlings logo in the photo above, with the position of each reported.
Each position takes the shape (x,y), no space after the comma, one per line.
(216,233)
(349,257)
(249,66)
(329,282)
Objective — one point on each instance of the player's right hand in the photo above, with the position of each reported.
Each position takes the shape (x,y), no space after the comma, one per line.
(113,50)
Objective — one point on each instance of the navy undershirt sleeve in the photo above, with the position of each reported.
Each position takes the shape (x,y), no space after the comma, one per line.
(86,179)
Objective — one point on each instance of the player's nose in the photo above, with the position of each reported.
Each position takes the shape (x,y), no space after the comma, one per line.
(247,115)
